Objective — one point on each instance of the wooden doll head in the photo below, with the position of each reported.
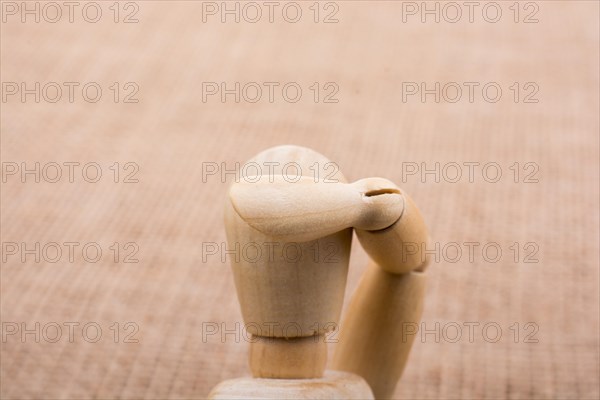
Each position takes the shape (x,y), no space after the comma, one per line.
(286,288)
(291,228)
(289,222)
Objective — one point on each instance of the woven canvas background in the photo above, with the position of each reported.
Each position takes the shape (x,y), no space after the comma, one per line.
(171,293)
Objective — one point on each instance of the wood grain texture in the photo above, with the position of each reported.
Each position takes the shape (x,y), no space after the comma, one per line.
(288,358)
(175,293)
(401,247)
(334,385)
(380,327)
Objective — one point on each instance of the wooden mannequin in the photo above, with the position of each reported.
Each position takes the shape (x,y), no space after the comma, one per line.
(290,299)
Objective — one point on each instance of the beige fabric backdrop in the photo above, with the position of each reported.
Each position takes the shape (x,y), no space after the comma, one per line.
(170,294)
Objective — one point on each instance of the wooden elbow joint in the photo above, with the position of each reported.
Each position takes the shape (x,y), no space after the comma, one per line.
(399,248)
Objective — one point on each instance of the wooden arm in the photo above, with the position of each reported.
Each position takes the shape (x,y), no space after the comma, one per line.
(298,209)
(378,330)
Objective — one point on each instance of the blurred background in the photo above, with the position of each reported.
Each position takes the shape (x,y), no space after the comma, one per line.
(115,115)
